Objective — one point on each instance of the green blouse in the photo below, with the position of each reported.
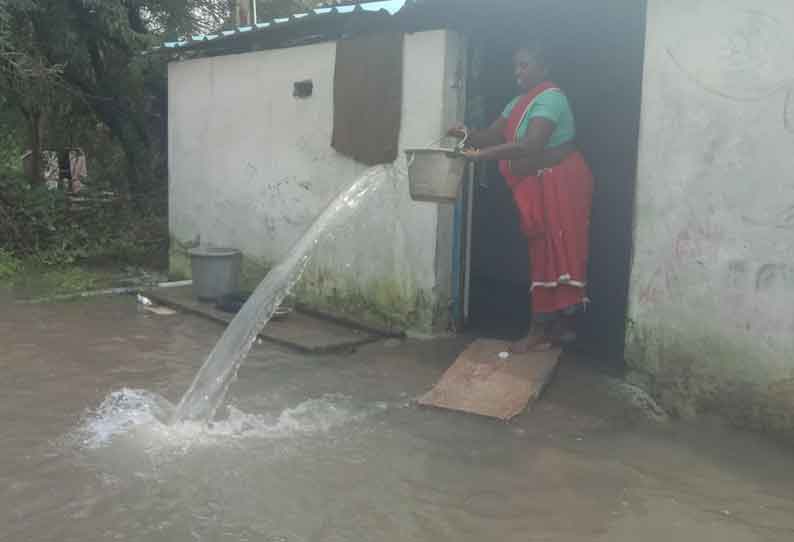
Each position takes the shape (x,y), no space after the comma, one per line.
(553,105)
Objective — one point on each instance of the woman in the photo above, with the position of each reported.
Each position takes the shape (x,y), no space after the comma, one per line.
(534,141)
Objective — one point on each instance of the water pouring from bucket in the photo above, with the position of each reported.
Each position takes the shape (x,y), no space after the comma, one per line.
(210,385)
(434,173)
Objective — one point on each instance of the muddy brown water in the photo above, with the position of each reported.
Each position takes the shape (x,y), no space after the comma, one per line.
(331,449)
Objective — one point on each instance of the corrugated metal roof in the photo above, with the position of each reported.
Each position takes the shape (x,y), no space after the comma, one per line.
(386,6)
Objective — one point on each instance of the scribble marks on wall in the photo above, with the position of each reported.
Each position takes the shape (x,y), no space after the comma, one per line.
(743,57)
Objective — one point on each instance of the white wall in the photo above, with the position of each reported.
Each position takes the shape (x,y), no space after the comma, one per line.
(251,166)
(712,292)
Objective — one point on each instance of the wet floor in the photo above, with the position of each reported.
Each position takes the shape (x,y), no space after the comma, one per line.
(331,449)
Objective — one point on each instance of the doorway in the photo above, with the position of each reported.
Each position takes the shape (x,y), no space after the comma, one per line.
(596,54)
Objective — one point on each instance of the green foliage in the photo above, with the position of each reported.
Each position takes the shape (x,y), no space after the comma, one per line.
(74,73)
(31,280)
(10,150)
(33,222)
(49,228)
(65,280)
(9,265)
(76,63)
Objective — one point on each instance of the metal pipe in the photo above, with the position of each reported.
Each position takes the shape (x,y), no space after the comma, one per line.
(469,220)
(176,284)
(106,292)
(78,295)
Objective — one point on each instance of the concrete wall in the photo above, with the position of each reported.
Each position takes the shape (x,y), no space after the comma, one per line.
(251,167)
(712,290)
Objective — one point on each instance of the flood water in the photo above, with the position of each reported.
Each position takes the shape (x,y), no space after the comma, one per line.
(331,449)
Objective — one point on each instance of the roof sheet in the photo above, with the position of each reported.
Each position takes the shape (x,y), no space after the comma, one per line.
(387,6)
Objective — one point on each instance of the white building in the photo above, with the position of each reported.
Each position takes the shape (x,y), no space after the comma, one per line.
(684,111)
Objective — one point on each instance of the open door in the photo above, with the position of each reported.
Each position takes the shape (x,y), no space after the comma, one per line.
(596,51)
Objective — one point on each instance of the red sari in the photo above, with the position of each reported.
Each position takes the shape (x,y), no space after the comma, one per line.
(554,209)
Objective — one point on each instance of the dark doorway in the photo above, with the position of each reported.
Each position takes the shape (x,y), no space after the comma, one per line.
(596,51)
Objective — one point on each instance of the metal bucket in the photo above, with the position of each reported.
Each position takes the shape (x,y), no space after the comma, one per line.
(216,272)
(435,174)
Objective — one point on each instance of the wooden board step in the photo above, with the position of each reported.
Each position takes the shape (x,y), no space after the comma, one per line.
(481,382)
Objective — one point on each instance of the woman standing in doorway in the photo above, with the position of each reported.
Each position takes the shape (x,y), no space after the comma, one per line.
(534,142)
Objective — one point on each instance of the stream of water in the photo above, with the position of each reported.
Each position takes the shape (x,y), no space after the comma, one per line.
(209,387)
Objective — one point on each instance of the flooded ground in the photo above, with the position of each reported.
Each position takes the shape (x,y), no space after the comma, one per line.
(331,449)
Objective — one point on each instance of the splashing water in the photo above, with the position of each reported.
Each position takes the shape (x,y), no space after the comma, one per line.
(209,388)
(146,414)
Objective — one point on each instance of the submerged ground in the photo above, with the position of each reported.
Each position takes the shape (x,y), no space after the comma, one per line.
(332,449)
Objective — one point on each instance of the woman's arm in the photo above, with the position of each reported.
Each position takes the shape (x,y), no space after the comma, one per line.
(493,135)
(527,154)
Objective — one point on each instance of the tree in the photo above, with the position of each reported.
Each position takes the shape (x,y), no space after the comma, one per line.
(29,82)
(89,56)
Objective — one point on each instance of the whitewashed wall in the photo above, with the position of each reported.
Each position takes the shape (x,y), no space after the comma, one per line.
(251,167)
(712,292)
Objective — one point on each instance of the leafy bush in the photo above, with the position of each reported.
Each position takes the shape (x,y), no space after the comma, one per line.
(9,265)
(48,227)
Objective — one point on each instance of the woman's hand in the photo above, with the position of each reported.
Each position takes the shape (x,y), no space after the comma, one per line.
(459,131)
(473,154)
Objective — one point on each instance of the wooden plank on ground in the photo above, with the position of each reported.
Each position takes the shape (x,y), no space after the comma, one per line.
(480,382)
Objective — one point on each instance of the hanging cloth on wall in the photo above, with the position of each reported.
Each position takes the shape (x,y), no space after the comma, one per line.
(368,82)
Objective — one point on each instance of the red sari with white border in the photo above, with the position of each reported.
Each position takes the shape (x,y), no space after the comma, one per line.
(554,210)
